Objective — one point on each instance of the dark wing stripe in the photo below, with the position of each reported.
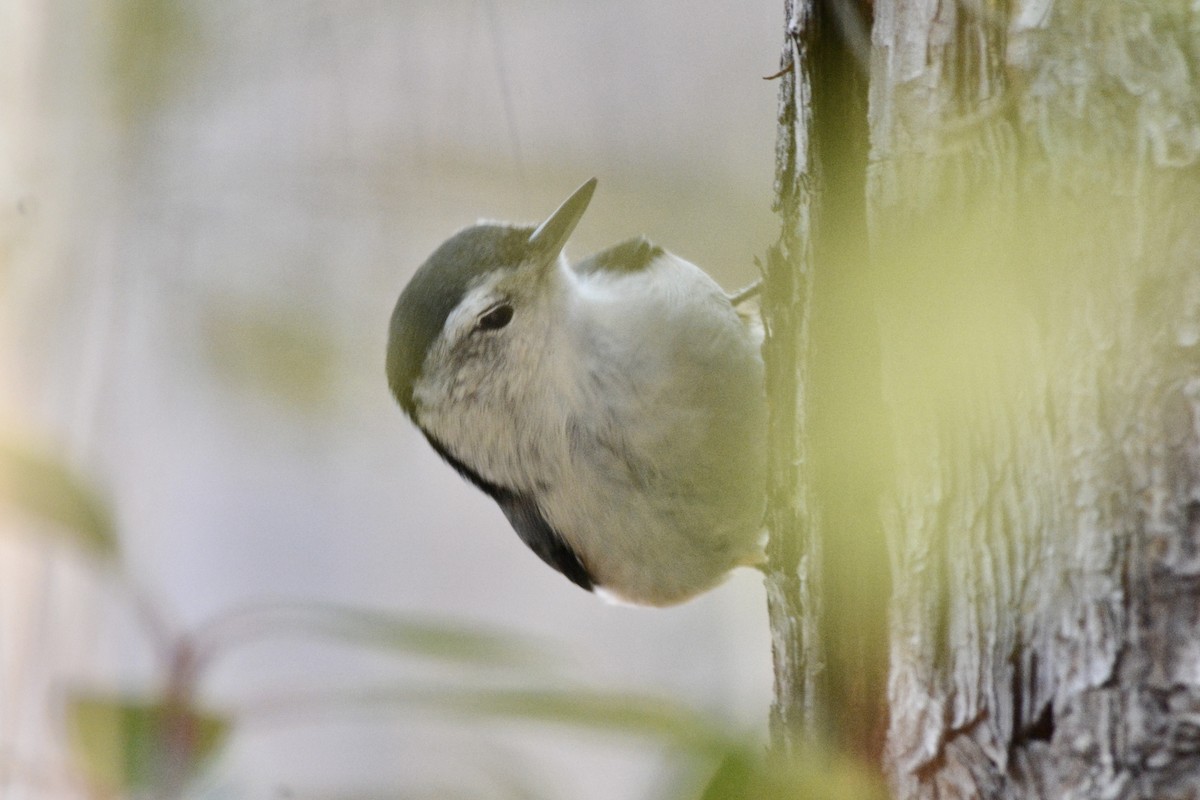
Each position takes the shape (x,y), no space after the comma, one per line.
(523,514)
(535,531)
(633,255)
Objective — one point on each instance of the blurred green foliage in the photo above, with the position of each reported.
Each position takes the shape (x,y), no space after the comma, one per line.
(452,641)
(152,41)
(283,352)
(707,758)
(157,745)
(748,774)
(147,747)
(44,488)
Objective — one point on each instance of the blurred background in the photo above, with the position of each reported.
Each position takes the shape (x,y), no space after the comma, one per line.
(207,211)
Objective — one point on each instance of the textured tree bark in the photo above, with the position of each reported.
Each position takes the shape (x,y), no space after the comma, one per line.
(791,574)
(1034,200)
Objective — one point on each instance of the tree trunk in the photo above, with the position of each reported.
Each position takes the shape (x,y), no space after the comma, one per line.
(828,572)
(1033,196)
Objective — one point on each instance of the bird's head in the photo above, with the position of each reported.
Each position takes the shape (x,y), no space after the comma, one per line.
(469,325)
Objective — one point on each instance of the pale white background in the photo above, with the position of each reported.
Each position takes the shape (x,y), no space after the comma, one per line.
(194,306)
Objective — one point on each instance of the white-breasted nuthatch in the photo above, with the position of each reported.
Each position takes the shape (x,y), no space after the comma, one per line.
(614,409)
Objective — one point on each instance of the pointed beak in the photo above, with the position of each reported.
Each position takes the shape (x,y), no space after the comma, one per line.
(551,236)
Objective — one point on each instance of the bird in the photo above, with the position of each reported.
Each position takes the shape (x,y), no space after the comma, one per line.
(613,408)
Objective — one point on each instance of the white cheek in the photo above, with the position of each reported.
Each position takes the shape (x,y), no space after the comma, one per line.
(429,396)
(435,392)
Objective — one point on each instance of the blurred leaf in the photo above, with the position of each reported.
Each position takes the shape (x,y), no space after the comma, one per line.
(153,41)
(735,777)
(381,630)
(745,773)
(282,351)
(617,712)
(723,762)
(612,712)
(43,487)
(142,745)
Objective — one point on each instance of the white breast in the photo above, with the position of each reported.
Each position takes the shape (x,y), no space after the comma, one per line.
(665,432)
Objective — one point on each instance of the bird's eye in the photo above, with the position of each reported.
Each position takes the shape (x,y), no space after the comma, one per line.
(496,318)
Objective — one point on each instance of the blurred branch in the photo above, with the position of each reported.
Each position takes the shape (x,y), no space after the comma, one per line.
(437,639)
(623,713)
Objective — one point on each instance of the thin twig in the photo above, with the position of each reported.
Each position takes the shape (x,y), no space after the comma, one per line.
(745,293)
